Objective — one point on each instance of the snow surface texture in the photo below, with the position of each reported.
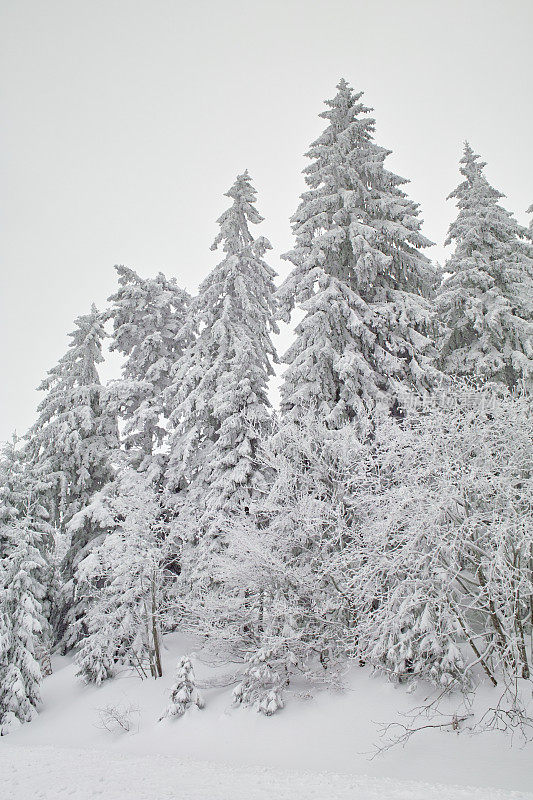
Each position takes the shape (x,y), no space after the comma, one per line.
(314,748)
(44,773)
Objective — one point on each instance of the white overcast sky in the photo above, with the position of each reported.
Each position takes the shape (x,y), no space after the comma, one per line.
(123,122)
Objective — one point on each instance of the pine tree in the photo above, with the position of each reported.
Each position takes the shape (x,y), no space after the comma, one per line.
(71,445)
(219,394)
(358,275)
(184,693)
(148,315)
(22,624)
(486,301)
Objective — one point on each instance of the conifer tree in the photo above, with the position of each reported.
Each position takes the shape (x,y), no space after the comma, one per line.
(486,301)
(148,315)
(71,441)
(261,686)
(184,693)
(358,275)
(11,489)
(219,393)
(20,504)
(71,445)
(20,490)
(21,623)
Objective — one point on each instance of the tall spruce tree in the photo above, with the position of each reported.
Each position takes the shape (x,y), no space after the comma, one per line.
(11,489)
(25,579)
(21,500)
(486,301)
(147,315)
(72,442)
(21,490)
(20,673)
(358,275)
(219,393)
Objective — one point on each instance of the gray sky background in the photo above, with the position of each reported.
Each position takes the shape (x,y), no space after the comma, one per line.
(123,122)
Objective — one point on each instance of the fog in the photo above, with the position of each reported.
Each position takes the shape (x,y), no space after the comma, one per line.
(125,121)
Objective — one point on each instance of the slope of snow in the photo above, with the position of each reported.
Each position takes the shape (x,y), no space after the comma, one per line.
(315,748)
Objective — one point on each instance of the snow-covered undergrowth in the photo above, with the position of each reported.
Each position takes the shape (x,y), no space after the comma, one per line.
(317,747)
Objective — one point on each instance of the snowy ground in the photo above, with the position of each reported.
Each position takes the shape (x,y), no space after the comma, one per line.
(43,773)
(315,748)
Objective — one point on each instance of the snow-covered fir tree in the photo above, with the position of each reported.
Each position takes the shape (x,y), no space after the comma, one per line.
(148,315)
(20,504)
(22,624)
(416,635)
(21,490)
(75,433)
(358,275)
(184,692)
(261,685)
(219,392)
(121,579)
(72,442)
(12,488)
(486,302)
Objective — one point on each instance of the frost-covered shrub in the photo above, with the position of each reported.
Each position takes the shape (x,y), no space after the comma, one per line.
(445,534)
(122,581)
(117,718)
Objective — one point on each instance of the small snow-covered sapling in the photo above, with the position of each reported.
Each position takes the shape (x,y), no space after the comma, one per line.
(184,692)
